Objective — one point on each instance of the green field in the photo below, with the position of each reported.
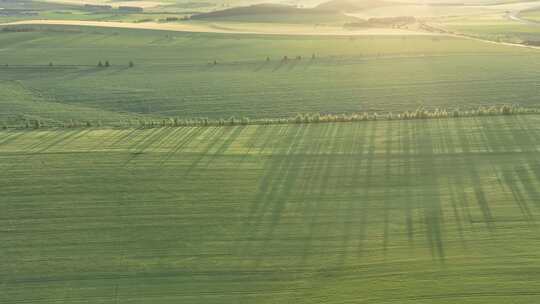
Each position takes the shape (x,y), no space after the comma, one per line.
(174,74)
(433,211)
(266,154)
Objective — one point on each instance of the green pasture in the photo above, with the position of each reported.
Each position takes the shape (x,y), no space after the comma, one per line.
(495,28)
(432,211)
(175,74)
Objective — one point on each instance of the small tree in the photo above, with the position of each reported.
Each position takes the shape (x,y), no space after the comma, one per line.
(50,64)
(506,110)
(131,64)
(107,64)
(100,64)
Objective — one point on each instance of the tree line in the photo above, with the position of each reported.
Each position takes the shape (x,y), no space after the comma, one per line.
(420,113)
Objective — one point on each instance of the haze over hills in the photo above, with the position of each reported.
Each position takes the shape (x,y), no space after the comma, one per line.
(275,13)
(350,5)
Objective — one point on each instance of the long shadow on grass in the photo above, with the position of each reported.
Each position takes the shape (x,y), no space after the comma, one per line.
(275,187)
(11,136)
(261,133)
(470,165)
(227,142)
(368,183)
(261,66)
(531,135)
(530,183)
(50,140)
(512,138)
(517,194)
(355,161)
(122,138)
(58,139)
(524,137)
(322,171)
(407,193)
(458,199)
(280,64)
(430,200)
(282,193)
(285,180)
(147,142)
(182,142)
(222,140)
(292,64)
(211,138)
(387,201)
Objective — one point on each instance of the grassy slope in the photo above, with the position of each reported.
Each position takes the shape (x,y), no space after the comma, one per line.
(375,212)
(20,102)
(494,27)
(172,76)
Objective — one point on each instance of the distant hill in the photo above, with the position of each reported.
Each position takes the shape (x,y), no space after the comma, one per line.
(350,5)
(273,13)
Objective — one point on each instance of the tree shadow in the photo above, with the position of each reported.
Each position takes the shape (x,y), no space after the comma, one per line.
(354,163)
(369,160)
(148,140)
(182,142)
(475,179)
(312,207)
(11,136)
(50,140)
(280,64)
(458,199)
(274,186)
(406,151)
(430,200)
(217,134)
(261,66)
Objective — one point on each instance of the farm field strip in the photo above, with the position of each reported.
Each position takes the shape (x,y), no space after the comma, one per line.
(273,213)
(175,75)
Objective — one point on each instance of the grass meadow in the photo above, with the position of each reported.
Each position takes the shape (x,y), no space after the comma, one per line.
(136,186)
(175,75)
(420,211)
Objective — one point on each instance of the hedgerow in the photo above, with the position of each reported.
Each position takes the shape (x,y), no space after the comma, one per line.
(307,118)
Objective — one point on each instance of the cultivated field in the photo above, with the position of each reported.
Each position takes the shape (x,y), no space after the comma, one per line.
(181,151)
(434,211)
(175,75)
